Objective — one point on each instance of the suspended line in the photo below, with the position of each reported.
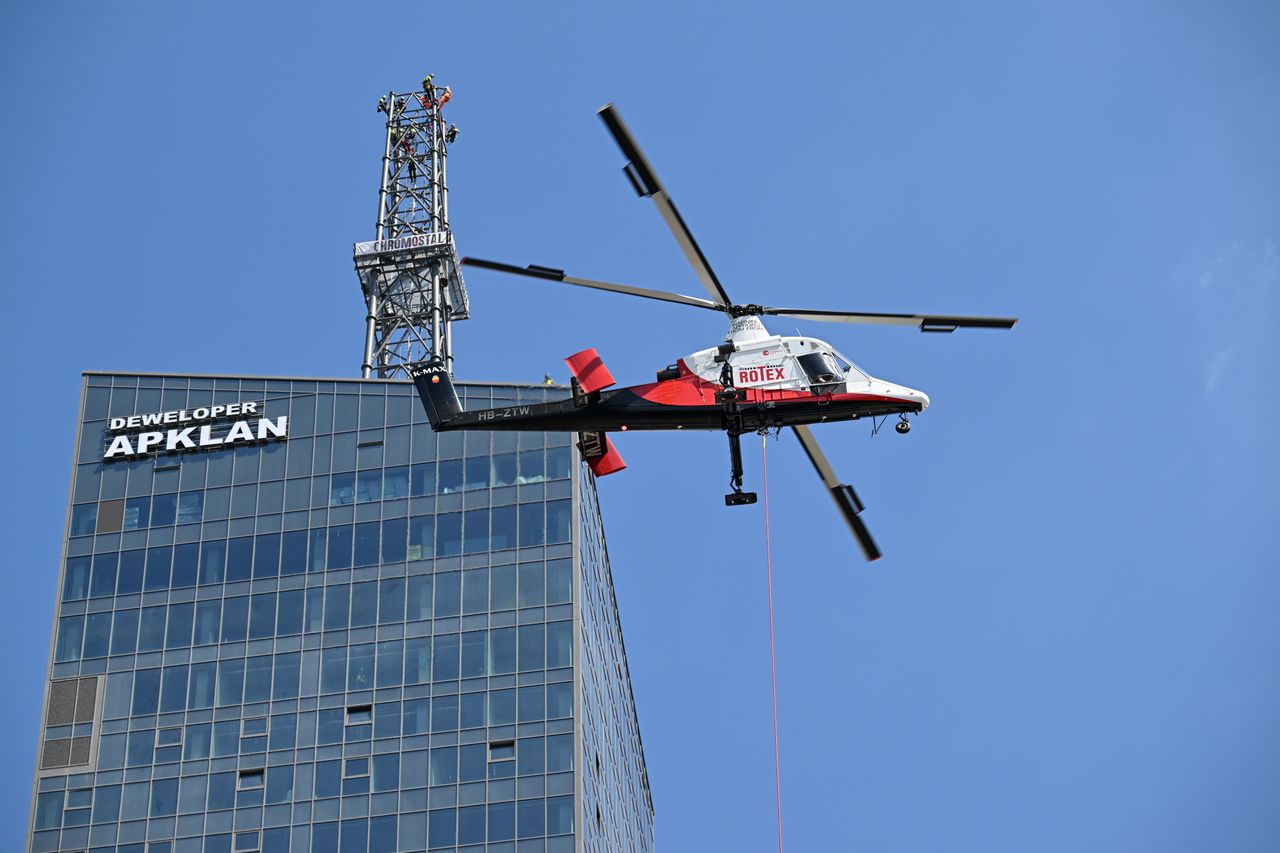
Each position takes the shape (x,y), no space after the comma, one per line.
(773,661)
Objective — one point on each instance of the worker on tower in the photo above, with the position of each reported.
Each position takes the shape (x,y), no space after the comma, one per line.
(451,134)
(382,104)
(447,96)
(426,83)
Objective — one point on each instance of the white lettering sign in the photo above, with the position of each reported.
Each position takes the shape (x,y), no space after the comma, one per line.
(209,430)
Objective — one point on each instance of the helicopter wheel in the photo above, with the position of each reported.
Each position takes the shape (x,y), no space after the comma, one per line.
(903,427)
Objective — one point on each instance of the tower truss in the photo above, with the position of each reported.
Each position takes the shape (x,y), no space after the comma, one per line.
(409,273)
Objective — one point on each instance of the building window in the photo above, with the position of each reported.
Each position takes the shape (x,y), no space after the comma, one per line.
(251,779)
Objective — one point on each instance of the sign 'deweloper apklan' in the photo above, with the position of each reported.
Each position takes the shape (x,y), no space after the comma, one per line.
(210,427)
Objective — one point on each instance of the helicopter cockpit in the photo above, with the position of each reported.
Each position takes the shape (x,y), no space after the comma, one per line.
(826,370)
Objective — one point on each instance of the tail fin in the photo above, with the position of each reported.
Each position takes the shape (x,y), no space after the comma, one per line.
(438,395)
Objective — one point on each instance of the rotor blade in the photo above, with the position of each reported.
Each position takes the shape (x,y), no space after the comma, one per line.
(842,493)
(646,183)
(550,274)
(925,322)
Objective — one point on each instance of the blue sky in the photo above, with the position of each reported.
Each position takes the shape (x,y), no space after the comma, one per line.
(1070,643)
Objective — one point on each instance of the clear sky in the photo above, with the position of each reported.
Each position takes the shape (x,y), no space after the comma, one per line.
(1071,643)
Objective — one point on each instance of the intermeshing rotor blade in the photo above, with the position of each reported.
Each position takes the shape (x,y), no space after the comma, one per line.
(551,274)
(842,493)
(925,322)
(646,183)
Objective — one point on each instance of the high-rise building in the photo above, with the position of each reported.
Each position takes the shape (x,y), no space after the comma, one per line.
(293,618)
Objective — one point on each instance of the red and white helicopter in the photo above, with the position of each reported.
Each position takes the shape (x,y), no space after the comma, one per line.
(752,382)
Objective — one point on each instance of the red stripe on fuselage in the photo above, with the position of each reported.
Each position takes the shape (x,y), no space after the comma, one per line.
(693,390)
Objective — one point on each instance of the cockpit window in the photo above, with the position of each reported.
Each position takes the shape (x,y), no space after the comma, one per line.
(821,368)
(852,371)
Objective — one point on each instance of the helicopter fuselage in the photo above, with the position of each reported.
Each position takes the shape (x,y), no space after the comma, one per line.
(780,381)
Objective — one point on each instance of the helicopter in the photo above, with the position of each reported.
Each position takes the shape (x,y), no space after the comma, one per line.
(751,382)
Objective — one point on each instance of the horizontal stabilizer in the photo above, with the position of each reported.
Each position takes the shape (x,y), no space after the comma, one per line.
(602,457)
(588,368)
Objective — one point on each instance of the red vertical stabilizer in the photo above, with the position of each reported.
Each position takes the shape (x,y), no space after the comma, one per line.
(601,455)
(588,368)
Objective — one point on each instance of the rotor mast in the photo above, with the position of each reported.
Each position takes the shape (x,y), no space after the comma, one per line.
(409,273)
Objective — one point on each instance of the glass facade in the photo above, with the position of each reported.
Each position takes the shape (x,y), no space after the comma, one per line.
(366,638)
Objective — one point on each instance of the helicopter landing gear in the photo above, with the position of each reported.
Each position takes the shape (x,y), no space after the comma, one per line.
(903,426)
(737,497)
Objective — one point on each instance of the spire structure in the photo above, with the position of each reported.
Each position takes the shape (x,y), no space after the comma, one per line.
(409,274)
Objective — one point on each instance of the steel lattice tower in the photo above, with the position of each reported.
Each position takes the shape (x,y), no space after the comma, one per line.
(409,274)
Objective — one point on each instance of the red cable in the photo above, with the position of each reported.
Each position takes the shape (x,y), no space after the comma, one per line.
(773,661)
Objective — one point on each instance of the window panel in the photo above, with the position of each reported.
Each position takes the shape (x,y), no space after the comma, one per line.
(474,653)
(532,584)
(124,632)
(366,543)
(257,679)
(290,612)
(502,651)
(559,753)
(239,559)
(200,692)
(448,594)
(71,638)
(531,702)
(417,661)
(340,538)
(164,510)
(419,597)
(475,529)
(293,558)
(390,601)
(444,714)
(131,568)
(369,485)
(559,644)
(531,818)
(444,656)
(186,560)
(97,635)
(394,531)
(502,587)
(559,521)
(502,707)
(213,562)
(532,654)
(84,519)
(235,619)
(266,556)
(360,667)
(449,534)
(532,524)
(151,629)
(421,537)
(208,621)
(75,584)
(337,602)
(559,581)
(395,483)
(287,667)
(503,527)
(159,564)
(173,696)
(390,663)
(178,635)
(103,581)
(333,670)
(230,682)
